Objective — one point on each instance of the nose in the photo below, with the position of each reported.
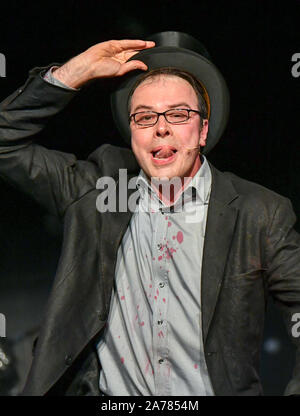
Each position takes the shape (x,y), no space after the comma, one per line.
(162,127)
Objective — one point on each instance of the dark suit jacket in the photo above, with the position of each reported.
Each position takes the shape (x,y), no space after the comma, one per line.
(250,250)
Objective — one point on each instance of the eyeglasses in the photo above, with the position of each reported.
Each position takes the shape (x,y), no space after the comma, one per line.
(150,118)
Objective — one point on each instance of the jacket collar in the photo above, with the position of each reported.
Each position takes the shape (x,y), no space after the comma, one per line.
(221,219)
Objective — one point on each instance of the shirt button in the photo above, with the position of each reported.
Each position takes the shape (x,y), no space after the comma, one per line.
(160,322)
(68,359)
(161,285)
(159,246)
(160,361)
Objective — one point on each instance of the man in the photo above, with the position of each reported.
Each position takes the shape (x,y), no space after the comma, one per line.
(151,303)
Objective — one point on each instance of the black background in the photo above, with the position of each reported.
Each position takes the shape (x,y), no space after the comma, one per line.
(251,42)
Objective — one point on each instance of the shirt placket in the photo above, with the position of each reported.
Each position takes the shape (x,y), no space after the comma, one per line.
(160,305)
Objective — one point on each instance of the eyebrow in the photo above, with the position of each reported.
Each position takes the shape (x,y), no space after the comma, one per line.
(149,107)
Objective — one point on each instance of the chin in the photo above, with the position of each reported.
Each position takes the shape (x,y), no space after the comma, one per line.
(164,173)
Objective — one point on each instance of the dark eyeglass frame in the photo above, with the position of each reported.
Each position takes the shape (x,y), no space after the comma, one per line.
(163,114)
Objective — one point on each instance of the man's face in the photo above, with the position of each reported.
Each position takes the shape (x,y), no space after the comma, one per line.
(167,150)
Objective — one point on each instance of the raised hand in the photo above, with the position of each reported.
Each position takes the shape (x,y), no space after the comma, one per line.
(103,60)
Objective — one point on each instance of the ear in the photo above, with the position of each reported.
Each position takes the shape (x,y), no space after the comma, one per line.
(203,133)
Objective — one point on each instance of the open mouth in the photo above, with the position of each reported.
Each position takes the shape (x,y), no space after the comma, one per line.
(163,155)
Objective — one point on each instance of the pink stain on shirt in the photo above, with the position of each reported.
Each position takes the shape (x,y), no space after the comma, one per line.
(164,300)
(174,236)
(153,258)
(138,306)
(159,258)
(147,366)
(157,292)
(169,253)
(166,218)
(122,297)
(179,237)
(155,297)
(150,286)
(196,366)
(161,334)
(122,360)
(142,323)
(169,224)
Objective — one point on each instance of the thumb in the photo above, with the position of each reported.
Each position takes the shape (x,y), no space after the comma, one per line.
(131,66)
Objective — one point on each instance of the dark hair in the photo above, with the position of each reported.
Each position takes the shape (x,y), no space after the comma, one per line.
(187,76)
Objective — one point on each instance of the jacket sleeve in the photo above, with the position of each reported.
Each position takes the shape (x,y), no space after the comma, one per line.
(283,256)
(54,179)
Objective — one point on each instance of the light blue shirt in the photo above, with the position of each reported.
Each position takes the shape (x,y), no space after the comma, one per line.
(152,344)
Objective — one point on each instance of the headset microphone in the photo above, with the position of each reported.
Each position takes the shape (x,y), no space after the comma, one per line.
(192,148)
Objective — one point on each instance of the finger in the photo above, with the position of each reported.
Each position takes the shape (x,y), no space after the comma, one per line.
(131,66)
(136,44)
(130,54)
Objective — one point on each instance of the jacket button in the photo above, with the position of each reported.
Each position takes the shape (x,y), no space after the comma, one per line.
(68,359)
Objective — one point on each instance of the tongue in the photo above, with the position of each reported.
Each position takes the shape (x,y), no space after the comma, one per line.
(164,153)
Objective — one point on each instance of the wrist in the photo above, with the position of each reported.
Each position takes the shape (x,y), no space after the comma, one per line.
(73,73)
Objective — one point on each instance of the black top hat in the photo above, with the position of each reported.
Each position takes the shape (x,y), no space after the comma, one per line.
(182,51)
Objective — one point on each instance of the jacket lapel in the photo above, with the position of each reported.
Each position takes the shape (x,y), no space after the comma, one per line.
(220,224)
(112,160)
(114,226)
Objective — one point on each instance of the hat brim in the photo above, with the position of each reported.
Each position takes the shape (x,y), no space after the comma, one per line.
(205,71)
